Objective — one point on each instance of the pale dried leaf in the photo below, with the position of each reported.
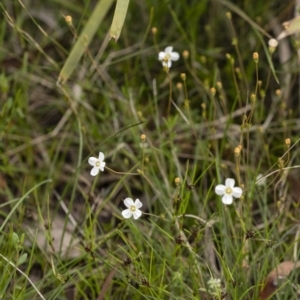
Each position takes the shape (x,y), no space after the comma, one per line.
(281,271)
(63,240)
(290,27)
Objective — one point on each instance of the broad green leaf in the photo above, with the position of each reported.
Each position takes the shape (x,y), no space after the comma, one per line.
(84,39)
(22,259)
(15,239)
(119,18)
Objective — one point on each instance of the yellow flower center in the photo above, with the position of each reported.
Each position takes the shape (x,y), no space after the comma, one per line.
(97,163)
(228,190)
(167,58)
(132,208)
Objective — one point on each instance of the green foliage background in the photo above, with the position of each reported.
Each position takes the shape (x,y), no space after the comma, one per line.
(62,235)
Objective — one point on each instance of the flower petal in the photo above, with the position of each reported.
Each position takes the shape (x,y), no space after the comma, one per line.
(94,171)
(174,56)
(127,213)
(229,182)
(128,202)
(169,50)
(237,192)
(161,55)
(138,203)
(101,156)
(220,189)
(137,214)
(102,165)
(92,160)
(227,199)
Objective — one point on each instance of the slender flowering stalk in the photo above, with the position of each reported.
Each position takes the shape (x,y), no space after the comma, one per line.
(133,208)
(228,191)
(98,164)
(167,56)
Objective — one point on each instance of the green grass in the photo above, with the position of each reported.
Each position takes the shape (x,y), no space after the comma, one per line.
(62,234)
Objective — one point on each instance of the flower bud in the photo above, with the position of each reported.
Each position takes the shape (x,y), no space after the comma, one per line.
(154,30)
(237,151)
(179,86)
(228,56)
(272,45)
(255,57)
(177,181)
(68,20)
(185,54)
(212,91)
(143,137)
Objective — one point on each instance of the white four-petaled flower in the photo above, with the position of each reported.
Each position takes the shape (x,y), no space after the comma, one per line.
(228,191)
(97,164)
(167,56)
(132,208)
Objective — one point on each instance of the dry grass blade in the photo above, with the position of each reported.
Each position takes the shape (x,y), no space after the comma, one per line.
(20,271)
(84,39)
(291,27)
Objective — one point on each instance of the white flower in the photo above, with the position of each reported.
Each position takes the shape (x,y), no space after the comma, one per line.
(97,163)
(214,286)
(273,43)
(133,208)
(167,56)
(228,191)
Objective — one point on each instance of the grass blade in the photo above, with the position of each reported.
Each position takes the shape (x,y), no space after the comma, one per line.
(84,39)
(119,18)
